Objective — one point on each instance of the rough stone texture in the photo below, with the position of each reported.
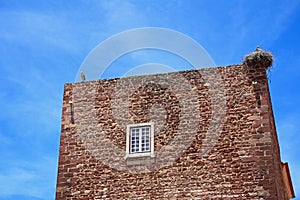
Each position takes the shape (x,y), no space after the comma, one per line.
(243,163)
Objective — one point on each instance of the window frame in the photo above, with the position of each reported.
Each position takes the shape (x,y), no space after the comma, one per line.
(128,141)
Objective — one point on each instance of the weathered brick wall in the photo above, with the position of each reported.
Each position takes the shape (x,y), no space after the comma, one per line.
(243,163)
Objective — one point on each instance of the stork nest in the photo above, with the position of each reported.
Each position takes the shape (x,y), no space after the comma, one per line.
(259,58)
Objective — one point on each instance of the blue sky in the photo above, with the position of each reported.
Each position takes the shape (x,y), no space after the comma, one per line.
(43,43)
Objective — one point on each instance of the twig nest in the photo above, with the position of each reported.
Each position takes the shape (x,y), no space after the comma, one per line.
(259,58)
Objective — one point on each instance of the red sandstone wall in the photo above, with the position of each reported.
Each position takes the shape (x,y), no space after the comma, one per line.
(243,163)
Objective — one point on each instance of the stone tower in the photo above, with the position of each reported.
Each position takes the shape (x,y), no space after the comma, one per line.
(197,134)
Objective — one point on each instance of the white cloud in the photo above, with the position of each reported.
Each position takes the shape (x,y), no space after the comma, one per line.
(122,13)
(28,178)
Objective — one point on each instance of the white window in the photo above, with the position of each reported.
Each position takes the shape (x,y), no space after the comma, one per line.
(140,140)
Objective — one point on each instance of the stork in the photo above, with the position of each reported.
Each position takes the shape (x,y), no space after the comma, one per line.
(257,48)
